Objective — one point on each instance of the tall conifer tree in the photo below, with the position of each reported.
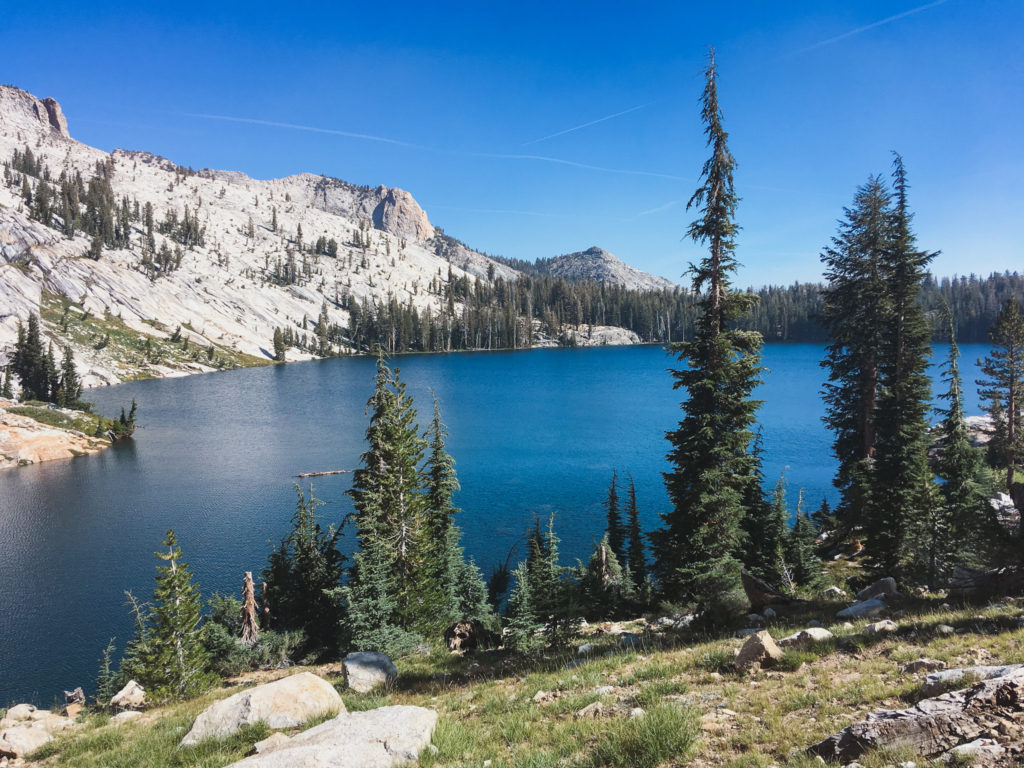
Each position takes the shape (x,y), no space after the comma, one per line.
(901,478)
(637,558)
(695,554)
(616,531)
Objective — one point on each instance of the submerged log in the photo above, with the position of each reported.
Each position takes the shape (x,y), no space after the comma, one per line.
(972,583)
(991,709)
(760,593)
(326,472)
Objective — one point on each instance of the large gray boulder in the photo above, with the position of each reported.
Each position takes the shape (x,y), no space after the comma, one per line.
(806,637)
(937,682)
(377,738)
(132,696)
(880,588)
(863,609)
(20,740)
(284,703)
(365,670)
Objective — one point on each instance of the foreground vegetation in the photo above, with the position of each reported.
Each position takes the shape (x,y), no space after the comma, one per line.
(519,711)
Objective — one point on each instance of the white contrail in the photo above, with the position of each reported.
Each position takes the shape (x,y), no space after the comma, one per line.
(587,125)
(457,152)
(309,128)
(866,27)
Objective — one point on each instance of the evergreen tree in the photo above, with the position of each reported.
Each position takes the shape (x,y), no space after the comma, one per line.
(303,575)
(695,554)
(279,346)
(30,362)
(967,484)
(389,505)
(7,389)
(766,527)
(901,475)
(605,587)
(1004,387)
(637,559)
(854,307)
(804,565)
(823,518)
(616,532)
(523,625)
(167,656)
(70,391)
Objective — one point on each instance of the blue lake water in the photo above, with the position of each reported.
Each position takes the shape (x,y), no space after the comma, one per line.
(216,456)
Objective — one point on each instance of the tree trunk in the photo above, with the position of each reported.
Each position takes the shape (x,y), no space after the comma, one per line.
(250,628)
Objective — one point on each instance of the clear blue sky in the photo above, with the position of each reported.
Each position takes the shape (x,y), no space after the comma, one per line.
(535,129)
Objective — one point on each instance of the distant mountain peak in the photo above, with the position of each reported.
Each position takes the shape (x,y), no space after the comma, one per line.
(22,108)
(596,263)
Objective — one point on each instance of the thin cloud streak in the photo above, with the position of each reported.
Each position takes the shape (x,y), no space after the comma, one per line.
(307,128)
(454,152)
(587,125)
(659,209)
(866,27)
(500,210)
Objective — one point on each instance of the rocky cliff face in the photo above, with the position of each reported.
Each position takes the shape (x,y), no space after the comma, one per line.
(597,264)
(226,294)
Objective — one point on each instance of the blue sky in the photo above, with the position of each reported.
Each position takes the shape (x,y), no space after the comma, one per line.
(536,129)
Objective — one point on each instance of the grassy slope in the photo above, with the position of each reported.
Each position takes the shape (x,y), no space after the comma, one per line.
(698,711)
(130,352)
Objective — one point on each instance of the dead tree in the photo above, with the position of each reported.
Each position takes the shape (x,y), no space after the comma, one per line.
(250,629)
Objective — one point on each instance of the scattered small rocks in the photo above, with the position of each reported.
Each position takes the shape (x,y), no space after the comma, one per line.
(591,711)
(604,690)
(945,629)
(834,593)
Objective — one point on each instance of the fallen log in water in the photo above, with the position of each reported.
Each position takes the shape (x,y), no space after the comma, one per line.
(327,472)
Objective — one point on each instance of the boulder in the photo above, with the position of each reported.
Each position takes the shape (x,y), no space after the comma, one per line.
(132,696)
(365,670)
(125,717)
(807,636)
(21,739)
(937,682)
(863,609)
(467,635)
(883,627)
(833,593)
(284,703)
(935,725)
(20,712)
(76,696)
(377,738)
(880,588)
(972,751)
(758,650)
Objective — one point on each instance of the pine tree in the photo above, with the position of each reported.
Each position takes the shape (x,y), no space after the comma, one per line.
(637,559)
(695,554)
(70,391)
(804,565)
(901,475)
(766,526)
(167,656)
(854,307)
(303,575)
(1004,387)
(279,346)
(616,532)
(30,362)
(606,588)
(523,624)
(389,505)
(823,518)
(7,389)
(966,481)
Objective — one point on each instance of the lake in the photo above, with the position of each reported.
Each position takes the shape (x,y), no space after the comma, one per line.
(215,457)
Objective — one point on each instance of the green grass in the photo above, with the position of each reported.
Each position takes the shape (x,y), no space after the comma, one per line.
(134,354)
(696,709)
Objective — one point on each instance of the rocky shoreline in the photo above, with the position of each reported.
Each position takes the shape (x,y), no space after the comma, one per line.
(24,440)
